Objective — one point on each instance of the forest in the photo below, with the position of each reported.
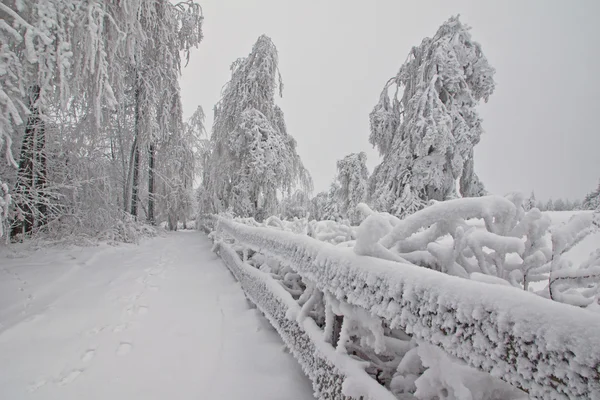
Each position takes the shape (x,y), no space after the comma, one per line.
(95,145)
(95,150)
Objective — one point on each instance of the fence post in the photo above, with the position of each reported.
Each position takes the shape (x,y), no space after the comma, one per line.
(338,320)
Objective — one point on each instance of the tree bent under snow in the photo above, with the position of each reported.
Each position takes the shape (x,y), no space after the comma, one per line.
(426,130)
(253,159)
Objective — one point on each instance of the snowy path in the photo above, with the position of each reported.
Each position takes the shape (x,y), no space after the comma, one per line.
(163,320)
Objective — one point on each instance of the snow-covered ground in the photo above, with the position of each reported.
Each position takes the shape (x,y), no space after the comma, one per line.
(162,320)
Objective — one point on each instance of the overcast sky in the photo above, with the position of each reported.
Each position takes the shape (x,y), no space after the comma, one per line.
(336,55)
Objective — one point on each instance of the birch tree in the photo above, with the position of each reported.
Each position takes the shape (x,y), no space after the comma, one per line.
(100,77)
(253,158)
(353,177)
(425,124)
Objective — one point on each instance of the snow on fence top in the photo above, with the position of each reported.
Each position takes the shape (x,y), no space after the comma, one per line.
(548,349)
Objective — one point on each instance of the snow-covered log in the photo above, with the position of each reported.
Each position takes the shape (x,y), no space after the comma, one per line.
(548,349)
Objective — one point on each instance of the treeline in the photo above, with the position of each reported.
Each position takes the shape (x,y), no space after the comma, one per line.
(425,126)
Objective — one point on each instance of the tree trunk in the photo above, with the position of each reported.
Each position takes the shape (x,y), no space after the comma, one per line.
(151,155)
(172,221)
(135,180)
(32,169)
(336,330)
(41,175)
(135,154)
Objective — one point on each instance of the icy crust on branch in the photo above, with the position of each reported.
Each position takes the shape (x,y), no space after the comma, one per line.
(498,213)
(548,349)
(490,239)
(334,376)
(426,124)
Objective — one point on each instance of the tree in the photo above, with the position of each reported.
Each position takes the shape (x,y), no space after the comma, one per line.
(294,206)
(541,206)
(96,84)
(426,136)
(353,177)
(569,205)
(560,205)
(253,159)
(550,205)
(332,203)
(317,206)
(4,205)
(179,162)
(592,199)
(531,202)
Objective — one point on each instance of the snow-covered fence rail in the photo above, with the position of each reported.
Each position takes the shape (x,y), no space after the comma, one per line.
(327,370)
(549,350)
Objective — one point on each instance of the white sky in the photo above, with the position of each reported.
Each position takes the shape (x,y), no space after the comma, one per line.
(335,56)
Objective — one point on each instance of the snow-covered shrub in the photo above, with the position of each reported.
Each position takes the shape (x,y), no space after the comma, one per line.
(339,233)
(491,239)
(577,285)
(446,378)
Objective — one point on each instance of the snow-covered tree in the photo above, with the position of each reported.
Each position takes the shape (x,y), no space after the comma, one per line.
(427,128)
(4,205)
(178,162)
(569,205)
(295,206)
(94,83)
(353,176)
(592,199)
(317,206)
(560,205)
(531,202)
(253,158)
(541,205)
(550,205)
(332,203)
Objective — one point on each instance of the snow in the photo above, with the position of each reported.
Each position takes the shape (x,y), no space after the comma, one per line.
(497,329)
(164,319)
(332,373)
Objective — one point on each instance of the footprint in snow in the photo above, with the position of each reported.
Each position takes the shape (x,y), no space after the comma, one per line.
(35,386)
(70,377)
(88,355)
(124,348)
(119,328)
(142,310)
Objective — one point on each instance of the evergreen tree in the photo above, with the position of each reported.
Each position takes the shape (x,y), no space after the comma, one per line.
(592,199)
(531,202)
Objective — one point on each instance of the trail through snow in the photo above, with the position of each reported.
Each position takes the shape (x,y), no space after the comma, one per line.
(162,320)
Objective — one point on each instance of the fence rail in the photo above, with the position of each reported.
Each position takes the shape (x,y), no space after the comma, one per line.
(547,349)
